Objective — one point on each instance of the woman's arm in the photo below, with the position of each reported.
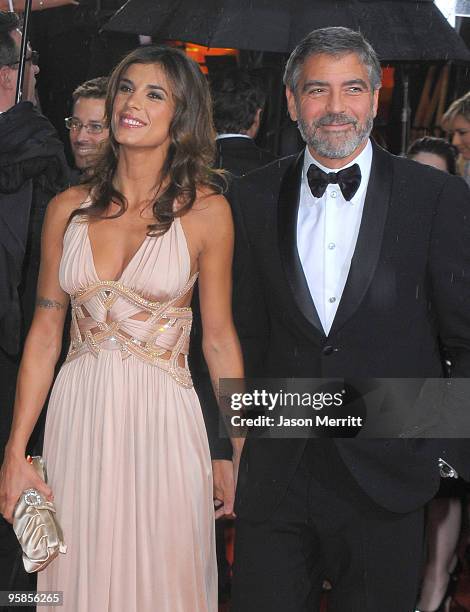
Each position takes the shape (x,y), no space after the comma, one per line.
(40,355)
(37,5)
(219,340)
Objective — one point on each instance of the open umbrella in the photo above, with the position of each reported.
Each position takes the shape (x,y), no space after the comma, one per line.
(399,30)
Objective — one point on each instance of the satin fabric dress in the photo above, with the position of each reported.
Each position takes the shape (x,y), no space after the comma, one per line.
(125,443)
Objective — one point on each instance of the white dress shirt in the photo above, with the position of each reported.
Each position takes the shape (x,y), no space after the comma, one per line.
(327,230)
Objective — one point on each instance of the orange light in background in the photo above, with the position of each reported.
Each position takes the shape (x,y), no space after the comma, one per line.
(198,52)
(388,77)
(386,93)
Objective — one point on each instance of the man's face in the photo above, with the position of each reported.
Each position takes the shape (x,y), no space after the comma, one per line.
(334,106)
(30,70)
(89,112)
(460,130)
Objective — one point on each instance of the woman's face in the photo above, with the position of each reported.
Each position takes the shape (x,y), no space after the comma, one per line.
(460,130)
(143,108)
(431,159)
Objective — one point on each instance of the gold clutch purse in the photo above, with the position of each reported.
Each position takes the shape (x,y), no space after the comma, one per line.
(36,527)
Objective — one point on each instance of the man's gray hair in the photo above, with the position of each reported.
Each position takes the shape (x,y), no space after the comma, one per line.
(335,41)
(9,52)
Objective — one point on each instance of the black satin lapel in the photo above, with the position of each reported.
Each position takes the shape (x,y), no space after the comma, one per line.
(288,207)
(369,241)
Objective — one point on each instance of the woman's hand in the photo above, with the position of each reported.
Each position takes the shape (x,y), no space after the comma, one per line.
(224,487)
(225,475)
(16,475)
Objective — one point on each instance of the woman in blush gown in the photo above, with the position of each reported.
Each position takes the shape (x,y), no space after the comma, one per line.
(125,444)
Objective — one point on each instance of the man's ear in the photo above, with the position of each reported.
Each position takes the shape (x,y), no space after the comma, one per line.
(253,130)
(257,121)
(291,106)
(6,79)
(375,102)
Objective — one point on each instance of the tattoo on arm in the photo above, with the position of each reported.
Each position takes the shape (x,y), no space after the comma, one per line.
(43,302)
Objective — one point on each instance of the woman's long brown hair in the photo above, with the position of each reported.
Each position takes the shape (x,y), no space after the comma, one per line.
(191,152)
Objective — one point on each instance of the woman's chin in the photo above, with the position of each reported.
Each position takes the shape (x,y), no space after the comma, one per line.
(128,140)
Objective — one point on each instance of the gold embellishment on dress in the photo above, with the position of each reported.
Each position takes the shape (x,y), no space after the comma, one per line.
(108,299)
(165,332)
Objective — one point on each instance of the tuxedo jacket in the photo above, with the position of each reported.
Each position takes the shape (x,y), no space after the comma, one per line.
(408,291)
(241,155)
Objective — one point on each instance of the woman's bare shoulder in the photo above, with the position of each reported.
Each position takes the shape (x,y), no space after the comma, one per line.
(211,205)
(211,218)
(64,203)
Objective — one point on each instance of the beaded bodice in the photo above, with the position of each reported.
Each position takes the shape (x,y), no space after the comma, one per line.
(161,339)
(137,315)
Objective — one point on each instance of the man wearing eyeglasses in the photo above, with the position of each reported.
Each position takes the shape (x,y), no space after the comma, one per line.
(32,170)
(9,64)
(86,125)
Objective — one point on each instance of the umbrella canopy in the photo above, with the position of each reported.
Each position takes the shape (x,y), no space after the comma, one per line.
(399,30)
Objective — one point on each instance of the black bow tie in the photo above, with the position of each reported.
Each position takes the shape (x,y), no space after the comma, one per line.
(348,180)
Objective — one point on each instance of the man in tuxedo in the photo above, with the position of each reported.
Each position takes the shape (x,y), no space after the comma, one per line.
(352,264)
(238,103)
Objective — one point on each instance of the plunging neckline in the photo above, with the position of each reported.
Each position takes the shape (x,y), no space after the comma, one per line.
(124,270)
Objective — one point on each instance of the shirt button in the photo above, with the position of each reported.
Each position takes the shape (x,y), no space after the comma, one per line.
(331,246)
(333,194)
(332,300)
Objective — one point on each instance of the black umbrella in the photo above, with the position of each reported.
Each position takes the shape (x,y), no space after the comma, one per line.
(399,30)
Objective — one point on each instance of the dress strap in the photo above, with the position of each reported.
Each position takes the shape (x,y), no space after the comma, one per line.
(189,285)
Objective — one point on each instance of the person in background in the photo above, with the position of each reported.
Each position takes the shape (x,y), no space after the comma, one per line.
(435,152)
(86,125)
(32,170)
(238,103)
(444,512)
(9,63)
(456,122)
(87,131)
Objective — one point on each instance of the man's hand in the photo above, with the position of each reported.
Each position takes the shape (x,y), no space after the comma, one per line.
(224,487)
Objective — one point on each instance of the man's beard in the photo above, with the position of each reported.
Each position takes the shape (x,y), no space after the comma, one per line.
(336,145)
